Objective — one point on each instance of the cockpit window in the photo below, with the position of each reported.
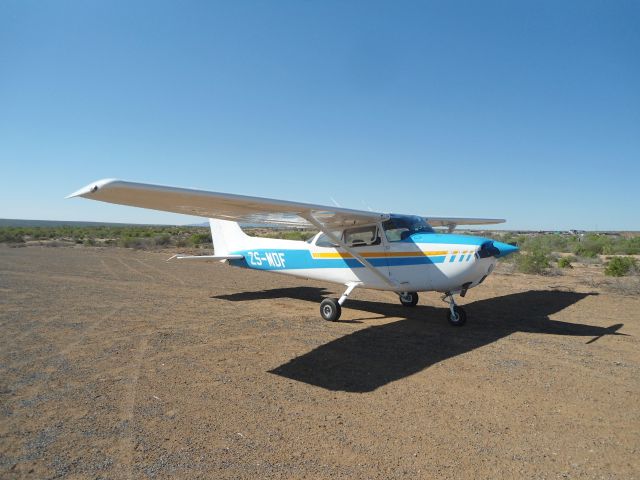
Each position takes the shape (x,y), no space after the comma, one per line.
(354,237)
(400,227)
(361,236)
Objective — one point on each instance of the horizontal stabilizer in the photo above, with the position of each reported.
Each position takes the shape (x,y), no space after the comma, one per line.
(221,258)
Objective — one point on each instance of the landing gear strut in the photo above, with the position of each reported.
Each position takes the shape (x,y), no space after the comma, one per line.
(408,299)
(331,308)
(456,315)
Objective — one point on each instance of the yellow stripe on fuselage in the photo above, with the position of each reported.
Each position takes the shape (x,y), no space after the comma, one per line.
(378,254)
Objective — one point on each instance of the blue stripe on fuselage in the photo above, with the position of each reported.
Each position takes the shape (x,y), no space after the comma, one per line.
(263,259)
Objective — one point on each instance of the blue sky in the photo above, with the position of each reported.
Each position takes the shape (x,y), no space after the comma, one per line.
(524,110)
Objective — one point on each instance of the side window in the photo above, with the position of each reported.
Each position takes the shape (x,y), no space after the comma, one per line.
(361,236)
(324,241)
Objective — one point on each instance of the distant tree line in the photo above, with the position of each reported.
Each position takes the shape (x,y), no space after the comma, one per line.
(539,252)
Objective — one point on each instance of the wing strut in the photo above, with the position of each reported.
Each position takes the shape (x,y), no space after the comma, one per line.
(355,254)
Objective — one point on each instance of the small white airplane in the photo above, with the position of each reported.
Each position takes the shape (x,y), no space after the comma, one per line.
(359,249)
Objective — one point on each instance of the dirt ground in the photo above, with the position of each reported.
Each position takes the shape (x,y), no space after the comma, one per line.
(117,364)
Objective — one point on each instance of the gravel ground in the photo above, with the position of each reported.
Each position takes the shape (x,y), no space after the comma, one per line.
(116,364)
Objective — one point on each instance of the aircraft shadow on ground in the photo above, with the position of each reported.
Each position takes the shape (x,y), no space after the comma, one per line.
(372,357)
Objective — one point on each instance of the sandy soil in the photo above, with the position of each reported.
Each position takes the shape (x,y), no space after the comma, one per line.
(116,364)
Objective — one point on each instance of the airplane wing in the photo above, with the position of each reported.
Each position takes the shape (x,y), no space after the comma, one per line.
(244,209)
(453,221)
(225,206)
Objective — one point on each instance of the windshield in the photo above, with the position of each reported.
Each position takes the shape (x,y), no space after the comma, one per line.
(399,227)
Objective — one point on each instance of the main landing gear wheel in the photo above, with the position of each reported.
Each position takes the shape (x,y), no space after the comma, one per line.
(408,299)
(330,309)
(456,316)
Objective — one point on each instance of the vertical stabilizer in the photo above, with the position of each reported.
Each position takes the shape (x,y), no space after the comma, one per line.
(227,236)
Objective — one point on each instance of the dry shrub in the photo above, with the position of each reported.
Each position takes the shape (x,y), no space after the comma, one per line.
(623,285)
(54,243)
(589,261)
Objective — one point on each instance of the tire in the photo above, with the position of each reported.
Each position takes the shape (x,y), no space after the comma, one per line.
(460,317)
(409,299)
(330,309)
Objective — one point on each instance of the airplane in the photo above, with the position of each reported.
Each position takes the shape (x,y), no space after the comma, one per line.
(355,248)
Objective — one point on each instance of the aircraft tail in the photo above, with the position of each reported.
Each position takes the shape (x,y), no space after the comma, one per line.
(227,236)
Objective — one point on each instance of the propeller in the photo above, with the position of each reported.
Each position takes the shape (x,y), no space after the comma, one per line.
(491,248)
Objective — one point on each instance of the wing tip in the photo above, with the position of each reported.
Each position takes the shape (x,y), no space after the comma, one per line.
(91,188)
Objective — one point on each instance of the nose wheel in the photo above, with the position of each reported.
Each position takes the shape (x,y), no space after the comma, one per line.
(456,315)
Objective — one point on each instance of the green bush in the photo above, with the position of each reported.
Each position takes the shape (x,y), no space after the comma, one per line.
(586,252)
(548,242)
(200,239)
(534,260)
(619,266)
(593,245)
(564,262)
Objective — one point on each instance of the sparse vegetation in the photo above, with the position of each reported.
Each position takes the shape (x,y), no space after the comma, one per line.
(538,250)
(284,234)
(134,236)
(620,266)
(9,236)
(534,260)
(589,245)
(565,262)
(629,285)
